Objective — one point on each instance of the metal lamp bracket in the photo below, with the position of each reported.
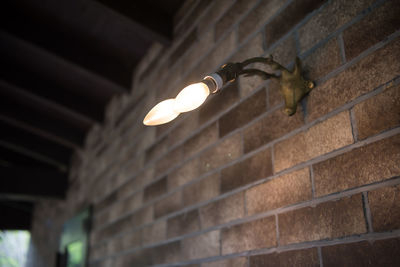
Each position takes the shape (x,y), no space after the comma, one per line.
(293,85)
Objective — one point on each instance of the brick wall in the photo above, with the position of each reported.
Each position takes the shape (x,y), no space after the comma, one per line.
(237,182)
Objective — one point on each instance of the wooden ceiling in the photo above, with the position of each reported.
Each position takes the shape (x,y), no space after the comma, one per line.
(61,63)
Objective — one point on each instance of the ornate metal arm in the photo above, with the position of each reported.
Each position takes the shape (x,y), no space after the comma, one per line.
(293,85)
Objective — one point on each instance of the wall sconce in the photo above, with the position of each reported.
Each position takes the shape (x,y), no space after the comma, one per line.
(293,88)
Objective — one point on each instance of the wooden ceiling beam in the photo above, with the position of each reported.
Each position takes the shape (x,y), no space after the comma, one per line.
(33,182)
(20,105)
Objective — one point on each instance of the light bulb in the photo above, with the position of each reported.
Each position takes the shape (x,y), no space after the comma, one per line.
(191,97)
(161,113)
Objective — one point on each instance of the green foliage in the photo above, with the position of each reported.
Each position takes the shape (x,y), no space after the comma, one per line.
(13,248)
(75,254)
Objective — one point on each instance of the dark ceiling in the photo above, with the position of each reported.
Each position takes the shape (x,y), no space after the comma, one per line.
(61,63)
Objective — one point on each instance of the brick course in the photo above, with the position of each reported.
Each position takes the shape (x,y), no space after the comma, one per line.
(364,165)
(284,190)
(326,221)
(320,139)
(306,257)
(259,234)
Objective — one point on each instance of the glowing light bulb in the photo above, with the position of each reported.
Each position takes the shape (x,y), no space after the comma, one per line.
(191,97)
(161,113)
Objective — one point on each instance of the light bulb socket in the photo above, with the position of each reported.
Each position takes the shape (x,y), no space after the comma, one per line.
(216,80)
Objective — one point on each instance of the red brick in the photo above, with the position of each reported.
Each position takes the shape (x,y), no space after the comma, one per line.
(142,216)
(378,113)
(298,258)
(224,152)
(334,15)
(133,167)
(187,42)
(214,157)
(320,139)
(222,51)
(365,165)
(201,140)
(154,233)
(247,171)
(137,258)
(142,179)
(101,219)
(156,150)
(190,19)
(217,9)
(317,66)
(201,246)
(328,220)
(98,251)
(130,240)
(183,224)
(252,48)
(184,174)
(359,79)
(114,228)
(249,236)
(222,211)
(373,28)
(167,253)
(183,11)
(167,205)
(219,102)
(169,160)
(289,17)
(246,111)
(106,202)
(199,50)
(182,130)
(377,253)
(232,15)
(282,191)
(236,262)
(258,16)
(385,208)
(155,190)
(133,202)
(275,97)
(269,128)
(285,52)
(201,191)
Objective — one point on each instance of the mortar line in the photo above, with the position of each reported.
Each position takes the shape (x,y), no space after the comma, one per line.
(353,122)
(341,47)
(321,261)
(278,242)
(311,170)
(367,211)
